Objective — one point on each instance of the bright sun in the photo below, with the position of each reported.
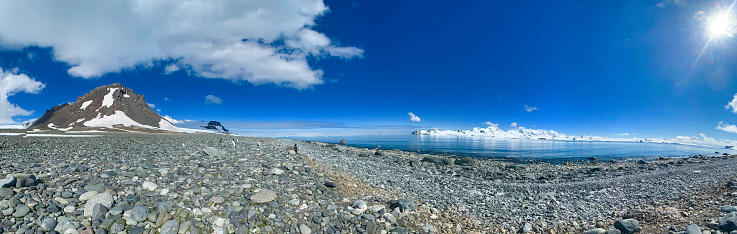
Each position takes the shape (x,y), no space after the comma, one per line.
(721,26)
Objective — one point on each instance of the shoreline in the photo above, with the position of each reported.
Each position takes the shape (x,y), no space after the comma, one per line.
(602,175)
(208,181)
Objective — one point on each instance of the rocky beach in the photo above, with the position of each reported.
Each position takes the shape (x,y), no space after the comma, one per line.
(214,183)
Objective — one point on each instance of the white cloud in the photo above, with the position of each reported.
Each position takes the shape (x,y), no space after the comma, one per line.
(727,127)
(151,105)
(158,110)
(622,134)
(167,99)
(491,124)
(211,99)
(11,83)
(530,108)
(255,41)
(171,68)
(513,124)
(732,104)
(413,117)
(664,3)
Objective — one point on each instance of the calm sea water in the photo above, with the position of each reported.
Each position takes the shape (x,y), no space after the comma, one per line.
(520,148)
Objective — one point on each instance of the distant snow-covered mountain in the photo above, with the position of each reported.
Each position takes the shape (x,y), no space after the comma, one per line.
(112,107)
(541,134)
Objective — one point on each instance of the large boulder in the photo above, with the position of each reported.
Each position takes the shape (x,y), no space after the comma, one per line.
(627,226)
(728,223)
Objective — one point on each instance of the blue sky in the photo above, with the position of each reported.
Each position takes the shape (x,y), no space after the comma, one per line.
(588,67)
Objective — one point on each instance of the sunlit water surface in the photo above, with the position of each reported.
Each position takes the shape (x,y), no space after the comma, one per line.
(521,148)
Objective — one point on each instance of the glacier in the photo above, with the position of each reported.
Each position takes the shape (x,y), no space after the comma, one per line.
(520,132)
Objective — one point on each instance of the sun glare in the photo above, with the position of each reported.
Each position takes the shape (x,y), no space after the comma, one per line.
(721,26)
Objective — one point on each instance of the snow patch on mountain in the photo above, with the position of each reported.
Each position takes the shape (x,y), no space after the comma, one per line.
(108,100)
(165,125)
(52,126)
(85,104)
(120,118)
(108,121)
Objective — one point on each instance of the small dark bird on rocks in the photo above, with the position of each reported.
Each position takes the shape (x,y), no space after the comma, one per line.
(295,148)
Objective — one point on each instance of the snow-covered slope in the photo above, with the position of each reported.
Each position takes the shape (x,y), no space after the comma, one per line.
(111,107)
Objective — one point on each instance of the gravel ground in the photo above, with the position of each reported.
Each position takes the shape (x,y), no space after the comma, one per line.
(210,183)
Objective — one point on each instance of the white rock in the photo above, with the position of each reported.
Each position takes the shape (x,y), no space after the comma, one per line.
(88,195)
(219,222)
(294,202)
(106,199)
(71,231)
(276,171)
(164,191)
(150,186)
(69,209)
(197,212)
(304,229)
(376,208)
(61,200)
(263,196)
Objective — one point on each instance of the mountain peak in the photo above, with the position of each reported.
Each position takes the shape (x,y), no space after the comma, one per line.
(110,107)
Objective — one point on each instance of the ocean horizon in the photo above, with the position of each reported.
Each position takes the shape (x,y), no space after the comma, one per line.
(488,147)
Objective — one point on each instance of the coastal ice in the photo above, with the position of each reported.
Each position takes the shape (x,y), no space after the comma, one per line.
(85,104)
(12,126)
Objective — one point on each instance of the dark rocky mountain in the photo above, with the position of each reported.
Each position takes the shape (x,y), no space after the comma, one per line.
(111,107)
(215,125)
